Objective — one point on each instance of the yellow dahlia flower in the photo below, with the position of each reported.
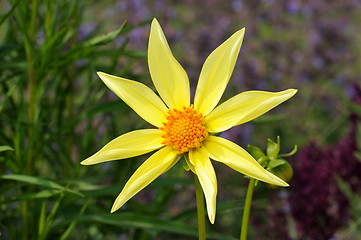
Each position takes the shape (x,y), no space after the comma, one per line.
(183,128)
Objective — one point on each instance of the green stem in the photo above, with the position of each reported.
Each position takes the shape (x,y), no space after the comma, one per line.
(25,219)
(247,209)
(28,44)
(200,209)
(29,49)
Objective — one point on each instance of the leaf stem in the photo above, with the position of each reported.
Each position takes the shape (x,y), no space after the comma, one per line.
(200,209)
(247,209)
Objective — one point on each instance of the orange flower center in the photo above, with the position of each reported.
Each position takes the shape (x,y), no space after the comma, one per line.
(184,129)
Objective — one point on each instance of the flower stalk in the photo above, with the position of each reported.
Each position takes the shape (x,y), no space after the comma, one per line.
(200,209)
(247,209)
(274,163)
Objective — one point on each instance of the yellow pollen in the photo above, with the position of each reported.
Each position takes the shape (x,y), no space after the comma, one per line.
(184,129)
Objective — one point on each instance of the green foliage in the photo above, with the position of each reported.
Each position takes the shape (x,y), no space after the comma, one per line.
(55,112)
(51,106)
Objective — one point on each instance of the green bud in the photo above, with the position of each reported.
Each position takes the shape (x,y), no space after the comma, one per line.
(274,161)
(273,148)
(283,171)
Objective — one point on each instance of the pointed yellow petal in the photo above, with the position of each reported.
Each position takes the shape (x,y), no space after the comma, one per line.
(139,97)
(244,107)
(128,145)
(154,166)
(169,78)
(202,166)
(237,158)
(216,72)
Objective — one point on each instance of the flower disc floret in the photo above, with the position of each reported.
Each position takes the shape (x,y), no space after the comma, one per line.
(184,129)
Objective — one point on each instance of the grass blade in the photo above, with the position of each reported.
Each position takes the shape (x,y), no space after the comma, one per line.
(32,180)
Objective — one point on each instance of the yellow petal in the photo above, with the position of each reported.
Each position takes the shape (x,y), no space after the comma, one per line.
(128,145)
(169,78)
(154,166)
(202,166)
(237,158)
(139,97)
(244,107)
(216,72)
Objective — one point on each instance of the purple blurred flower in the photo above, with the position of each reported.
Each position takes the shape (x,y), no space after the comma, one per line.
(317,203)
(293,7)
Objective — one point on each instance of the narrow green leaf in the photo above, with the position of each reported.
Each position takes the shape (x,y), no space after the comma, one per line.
(32,180)
(42,194)
(104,191)
(6,148)
(49,219)
(42,182)
(42,222)
(109,106)
(2,20)
(294,150)
(73,223)
(8,94)
(67,190)
(85,186)
(104,39)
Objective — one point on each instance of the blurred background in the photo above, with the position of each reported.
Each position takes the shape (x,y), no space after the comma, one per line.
(55,112)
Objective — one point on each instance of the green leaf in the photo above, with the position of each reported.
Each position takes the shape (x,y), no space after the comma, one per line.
(2,20)
(73,223)
(105,107)
(42,182)
(32,180)
(6,148)
(104,39)
(85,186)
(8,94)
(42,194)
(294,150)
